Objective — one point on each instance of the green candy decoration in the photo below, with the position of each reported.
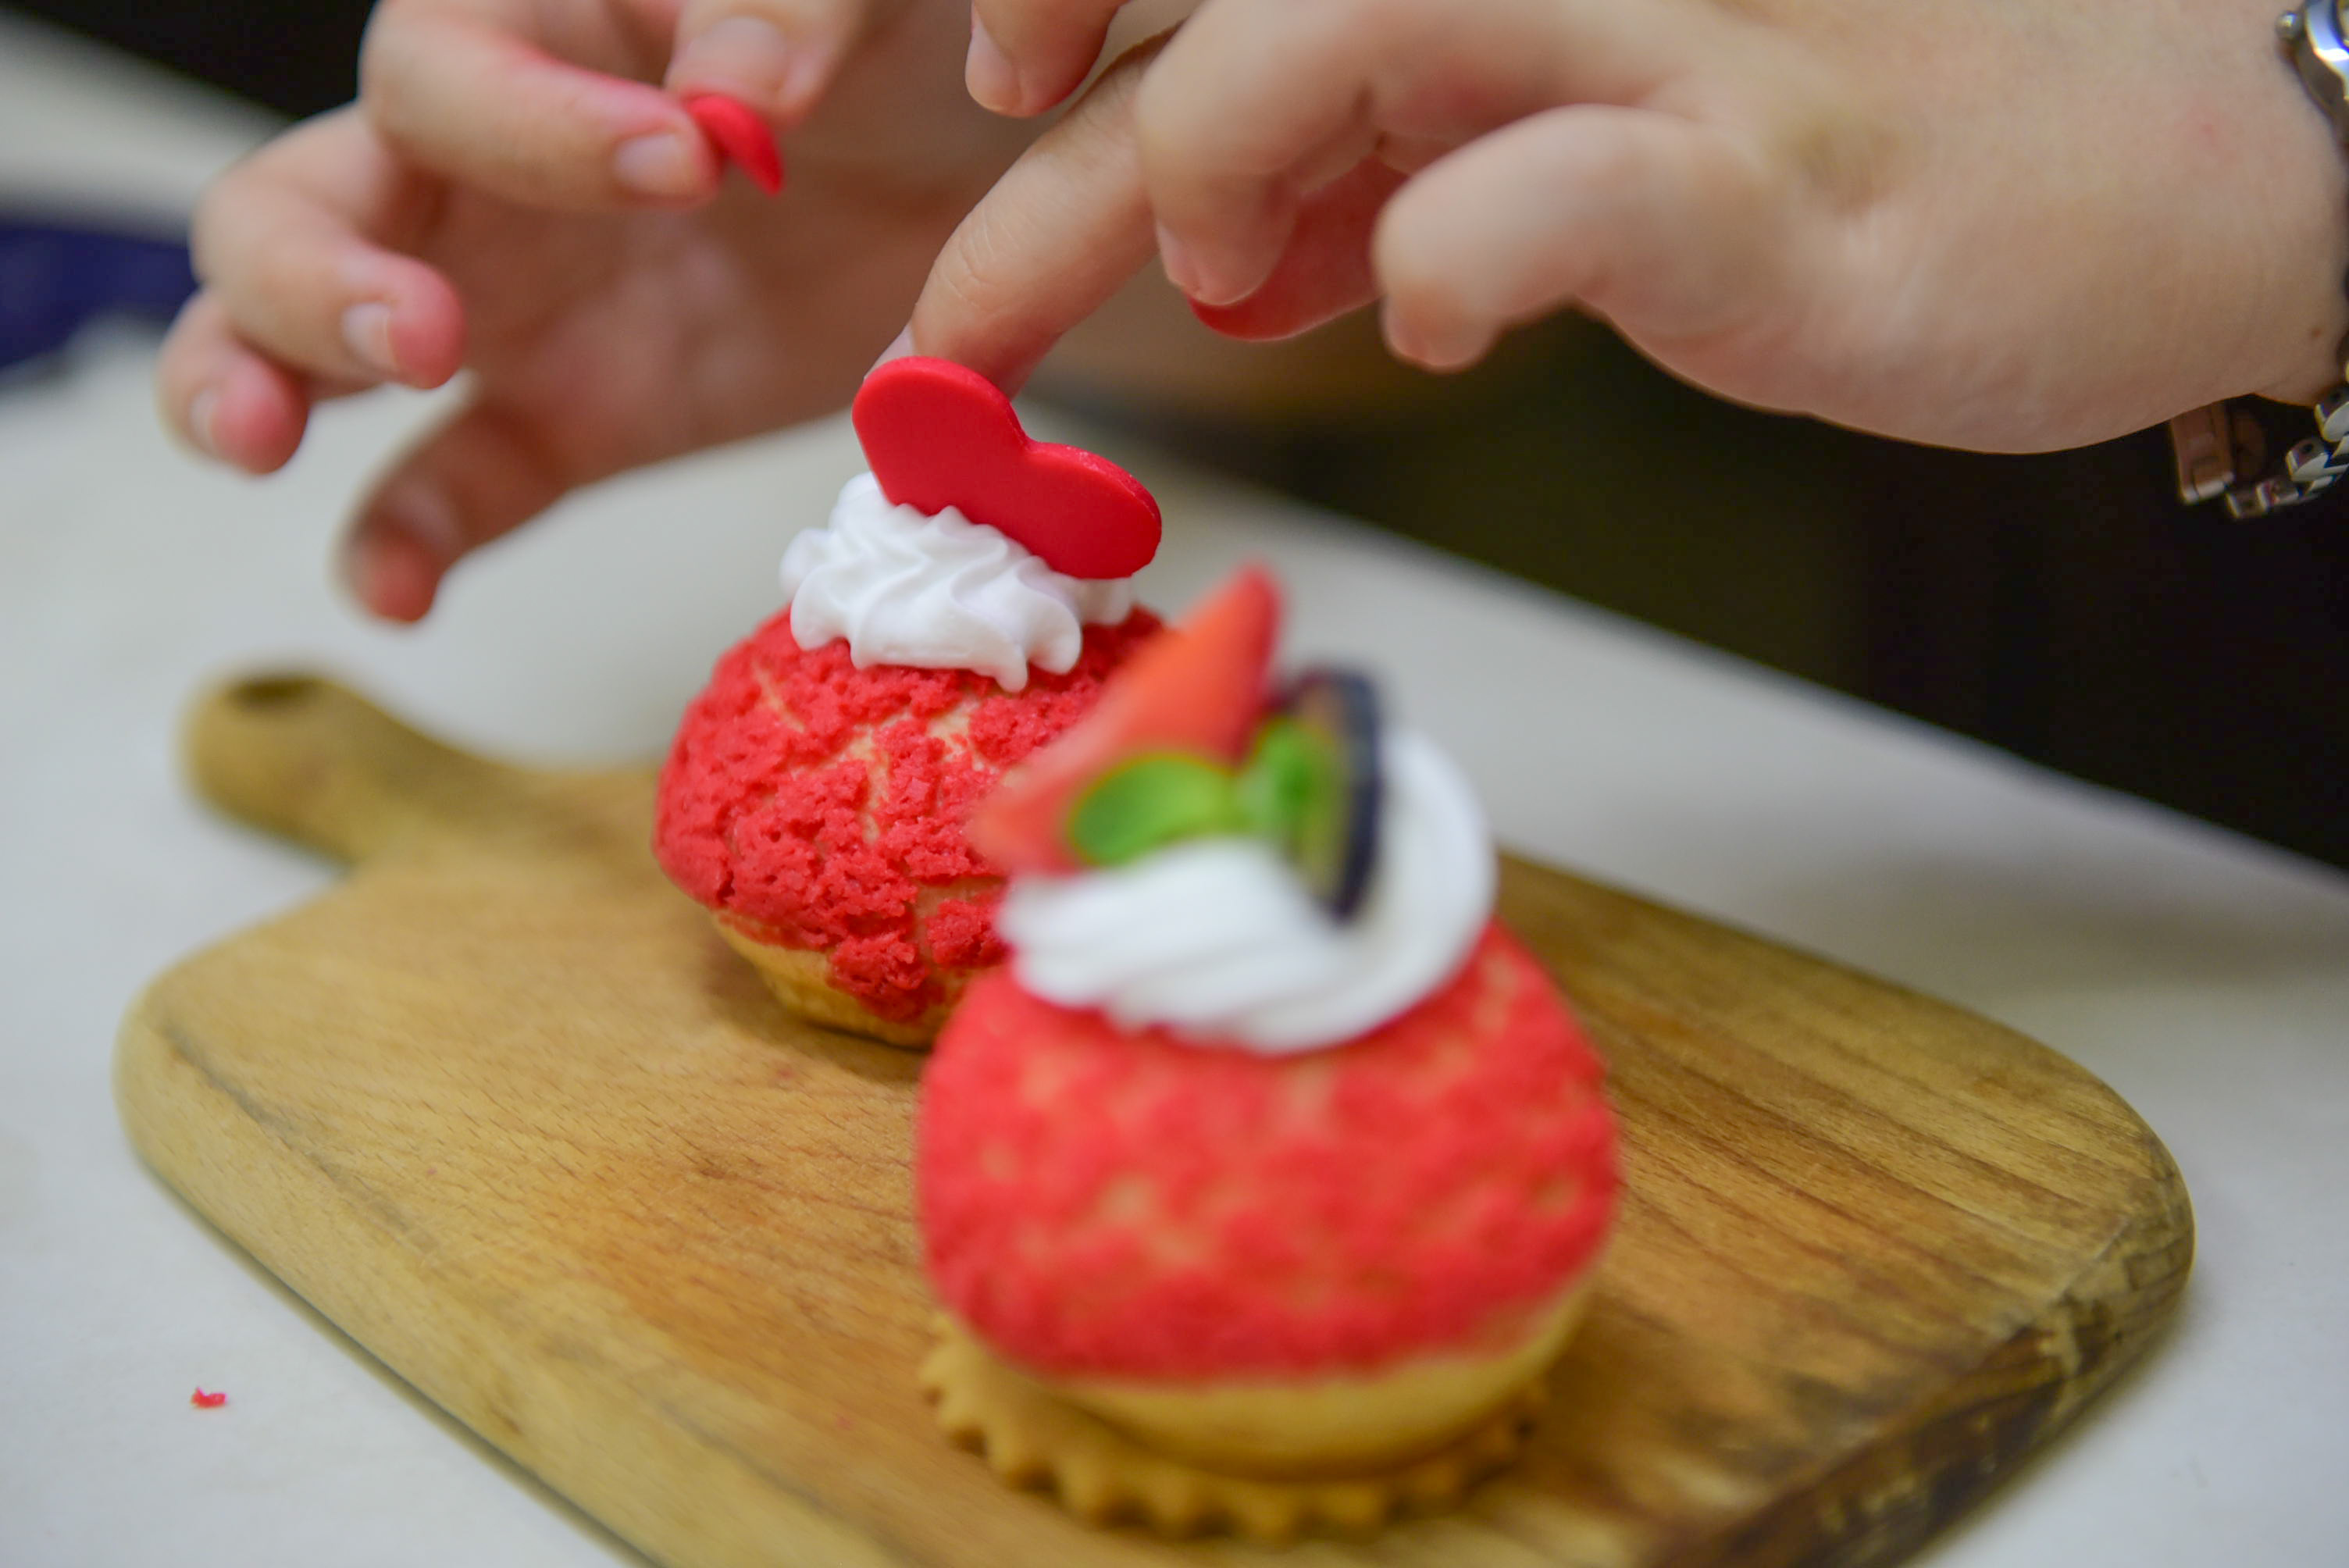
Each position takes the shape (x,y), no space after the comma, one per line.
(1289,777)
(1311,788)
(1152,800)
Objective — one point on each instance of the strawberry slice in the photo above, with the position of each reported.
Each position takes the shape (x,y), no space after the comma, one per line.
(1196,688)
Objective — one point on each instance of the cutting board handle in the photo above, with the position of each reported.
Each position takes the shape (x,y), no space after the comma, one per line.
(310,760)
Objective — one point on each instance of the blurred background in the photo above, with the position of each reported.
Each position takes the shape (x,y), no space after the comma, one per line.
(2063,607)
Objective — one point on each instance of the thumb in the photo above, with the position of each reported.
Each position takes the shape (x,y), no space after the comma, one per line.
(776,56)
(1670,229)
(479,476)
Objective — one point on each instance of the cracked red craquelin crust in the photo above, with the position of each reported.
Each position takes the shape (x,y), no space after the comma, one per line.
(1097,1202)
(822,807)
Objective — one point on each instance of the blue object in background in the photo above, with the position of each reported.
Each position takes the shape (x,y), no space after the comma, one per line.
(55,277)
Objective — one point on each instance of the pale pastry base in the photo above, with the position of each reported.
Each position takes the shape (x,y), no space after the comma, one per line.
(801,979)
(1335,1426)
(1103,1475)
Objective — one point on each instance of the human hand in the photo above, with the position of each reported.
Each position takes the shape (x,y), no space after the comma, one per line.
(2029,228)
(513,196)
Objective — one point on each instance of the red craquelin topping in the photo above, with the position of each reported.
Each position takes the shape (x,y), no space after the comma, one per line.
(820,806)
(1099,1203)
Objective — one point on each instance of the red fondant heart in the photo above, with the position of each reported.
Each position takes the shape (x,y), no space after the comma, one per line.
(737,133)
(938,436)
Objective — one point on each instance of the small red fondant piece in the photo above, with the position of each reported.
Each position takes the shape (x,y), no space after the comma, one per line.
(1199,687)
(203,1401)
(817,806)
(1102,1203)
(740,137)
(938,435)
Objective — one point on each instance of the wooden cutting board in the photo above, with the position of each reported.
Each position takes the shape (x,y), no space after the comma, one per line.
(503,1106)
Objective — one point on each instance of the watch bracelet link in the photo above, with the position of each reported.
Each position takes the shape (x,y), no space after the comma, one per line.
(2215,445)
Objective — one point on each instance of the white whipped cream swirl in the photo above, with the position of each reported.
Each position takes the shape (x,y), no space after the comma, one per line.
(1217,940)
(938,592)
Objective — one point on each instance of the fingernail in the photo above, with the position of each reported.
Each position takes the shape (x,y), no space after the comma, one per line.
(391,576)
(394,563)
(1452,347)
(366,332)
(1199,282)
(741,56)
(204,409)
(658,163)
(803,79)
(900,347)
(988,72)
(1175,257)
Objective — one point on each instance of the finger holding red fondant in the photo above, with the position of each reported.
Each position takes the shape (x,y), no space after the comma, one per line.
(489,104)
(740,138)
(747,69)
(775,57)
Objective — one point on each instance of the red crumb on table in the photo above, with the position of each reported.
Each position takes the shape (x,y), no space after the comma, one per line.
(1107,1204)
(203,1401)
(823,807)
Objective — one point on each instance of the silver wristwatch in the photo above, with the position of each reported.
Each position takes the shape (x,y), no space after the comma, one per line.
(2217,446)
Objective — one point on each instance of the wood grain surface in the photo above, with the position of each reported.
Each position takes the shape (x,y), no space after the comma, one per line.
(503,1106)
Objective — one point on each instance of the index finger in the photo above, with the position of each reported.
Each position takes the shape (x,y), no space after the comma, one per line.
(1065,226)
(477,93)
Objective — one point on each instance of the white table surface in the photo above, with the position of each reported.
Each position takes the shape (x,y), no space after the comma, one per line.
(2207,978)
